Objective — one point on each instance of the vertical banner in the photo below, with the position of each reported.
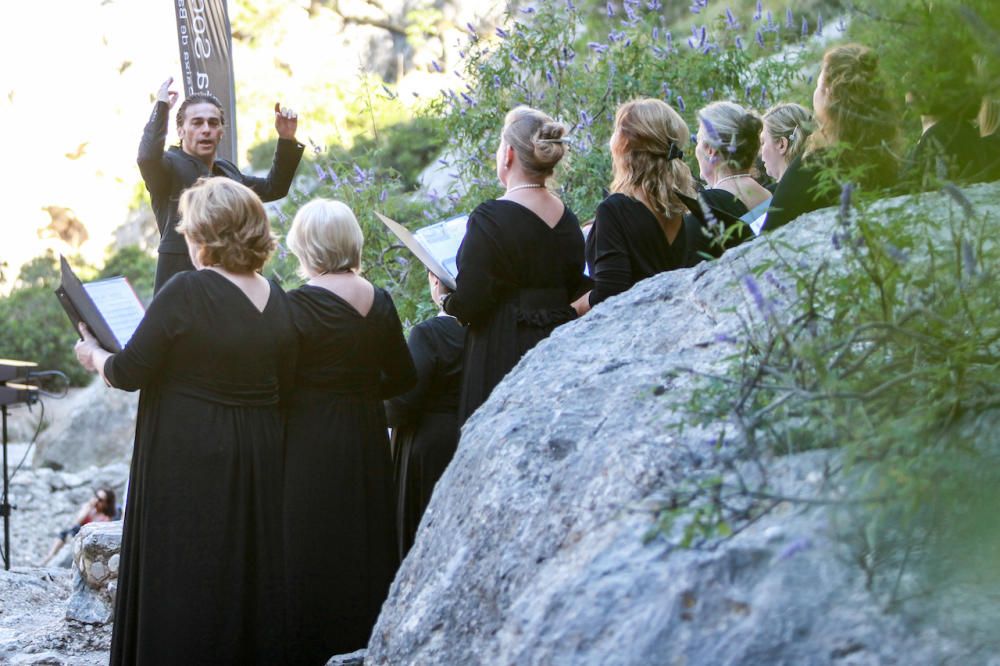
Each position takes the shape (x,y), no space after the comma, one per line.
(205,41)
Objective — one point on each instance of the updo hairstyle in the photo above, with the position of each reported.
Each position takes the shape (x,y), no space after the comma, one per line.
(733,131)
(646,155)
(792,122)
(326,238)
(536,138)
(227,221)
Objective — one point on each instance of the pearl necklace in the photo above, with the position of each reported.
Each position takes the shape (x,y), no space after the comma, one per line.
(526,186)
(737,175)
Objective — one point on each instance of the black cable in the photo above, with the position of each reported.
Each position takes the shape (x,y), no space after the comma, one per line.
(33,378)
(38,430)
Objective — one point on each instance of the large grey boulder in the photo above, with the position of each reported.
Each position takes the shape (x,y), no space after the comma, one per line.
(532,550)
(96,427)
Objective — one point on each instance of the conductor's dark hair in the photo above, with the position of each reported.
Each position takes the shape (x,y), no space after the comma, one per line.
(200,98)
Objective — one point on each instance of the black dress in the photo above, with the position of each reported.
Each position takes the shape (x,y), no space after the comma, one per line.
(201,559)
(516,279)
(626,245)
(729,211)
(340,529)
(425,420)
(800,191)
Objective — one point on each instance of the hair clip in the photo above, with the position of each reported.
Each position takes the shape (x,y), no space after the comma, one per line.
(674,152)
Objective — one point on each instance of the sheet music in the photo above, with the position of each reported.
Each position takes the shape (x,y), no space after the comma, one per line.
(442,240)
(118,304)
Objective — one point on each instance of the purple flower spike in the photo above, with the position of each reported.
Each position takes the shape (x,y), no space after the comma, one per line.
(527,10)
(844,212)
(611,10)
(969,263)
(472,30)
(789,19)
(656,33)
(819,24)
(762,304)
(805,27)
(794,548)
(731,21)
(501,33)
(739,43)
(549,78)
(570,6)
(597,47)
(758,12)
(320,172)
(383,195)
(702,36)
(436,66)
(760,38)
(713,134)
(680,103)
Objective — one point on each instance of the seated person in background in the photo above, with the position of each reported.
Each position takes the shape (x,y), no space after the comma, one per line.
(853,140)
(949,147)
(98,509)
(638,229)
(728,143)
(786,128)
(424,420)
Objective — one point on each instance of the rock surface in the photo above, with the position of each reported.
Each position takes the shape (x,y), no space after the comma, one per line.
(95,572)
(96,428)
(532,548)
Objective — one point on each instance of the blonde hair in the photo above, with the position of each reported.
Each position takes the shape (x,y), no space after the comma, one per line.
(645,158)
(790,121)
(326,237)
(227,221)
(733,131)
(536,138)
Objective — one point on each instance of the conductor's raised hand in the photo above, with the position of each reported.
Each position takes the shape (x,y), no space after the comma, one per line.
(165,94)
(286,121)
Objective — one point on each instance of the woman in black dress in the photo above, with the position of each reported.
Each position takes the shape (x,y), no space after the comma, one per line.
(520,264)
(201,559)
(638,230)
(853,140)
(424,420)
(728,143)
(340,528)
(786,128)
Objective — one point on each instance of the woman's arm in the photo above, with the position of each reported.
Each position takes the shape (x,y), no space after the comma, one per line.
(611,269)
(406,408)
(398,372)
(473,298)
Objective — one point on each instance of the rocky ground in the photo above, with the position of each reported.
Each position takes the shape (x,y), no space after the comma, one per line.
(33,598)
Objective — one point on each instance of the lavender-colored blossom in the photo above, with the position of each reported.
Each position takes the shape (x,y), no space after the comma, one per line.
(320,172)
(527,10)
(282,216)
(731,21)
(702,36)
(760,38)
(501,33)
(841,26)
(496,81)
(513,56)
(770,21)
(762,304)
(819,24)
(550,78)
(969,263)
(775,282)
(383,195)
(680,103)
(805,27)
(597,47)
(282,250)
(654,5)
(789,19)
(472,30)
(710,130)
(656,33)
(844,212)
(758,11)
(739,42)
(610,10)
(794,548)
(666,90)
(724,339)
(959,196)
(670,41)
(428,214)
(468,99)
(570,6)
(690,41)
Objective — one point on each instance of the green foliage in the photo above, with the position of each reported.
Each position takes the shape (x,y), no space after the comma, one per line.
(35,328)
(135,264)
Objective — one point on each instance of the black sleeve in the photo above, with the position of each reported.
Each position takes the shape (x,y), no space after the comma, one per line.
(398,373)
(794,195)
(287,155)
(474,298)
(611,269)
(154,169)
(140,363)
(406,408)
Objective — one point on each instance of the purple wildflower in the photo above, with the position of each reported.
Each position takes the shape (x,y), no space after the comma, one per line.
(472,30)
(513,56)
(762,304)
(570,6)
(383,195)
(282,251)
(501,33)
(680,103)
(731,21)
(549,78)
(654,5)
(758,11)
(611,10)
(436,66)
(739,42)
(670,41)
(794,548)
(844,212)
(496,81)
(724,339)
(789,19)
(775,282)
(770,21)
(819,24)
(805,27)
(597,47)
(959,196)
(527,10)
(428,214)
(702,36)
(710,130)
(841,26)
(666,90)
(468,99)
(760,38)
(969,263)
(656,33)
(320,172)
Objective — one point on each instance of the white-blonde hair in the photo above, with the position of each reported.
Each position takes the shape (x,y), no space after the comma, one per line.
(326,237)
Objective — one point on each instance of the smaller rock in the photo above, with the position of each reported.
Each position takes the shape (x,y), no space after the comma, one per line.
(356,658)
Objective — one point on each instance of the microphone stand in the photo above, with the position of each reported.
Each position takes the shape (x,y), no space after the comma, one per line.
(4,504)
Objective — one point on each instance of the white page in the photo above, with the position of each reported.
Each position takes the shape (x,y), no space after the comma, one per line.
(118,304)
(442,240)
